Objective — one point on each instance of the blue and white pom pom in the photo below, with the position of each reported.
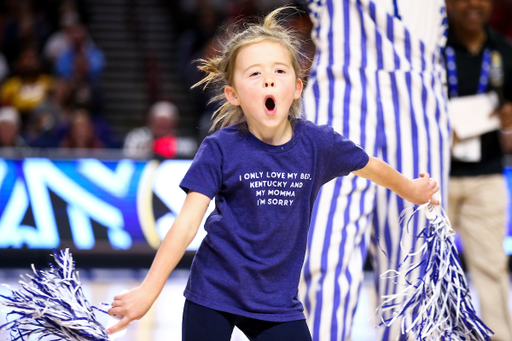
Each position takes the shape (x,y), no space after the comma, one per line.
(436,306)
(52,304)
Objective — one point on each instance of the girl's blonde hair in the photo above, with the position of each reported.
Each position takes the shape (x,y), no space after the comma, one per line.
(220,70)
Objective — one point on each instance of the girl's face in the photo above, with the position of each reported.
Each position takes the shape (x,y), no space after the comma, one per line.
(265,86)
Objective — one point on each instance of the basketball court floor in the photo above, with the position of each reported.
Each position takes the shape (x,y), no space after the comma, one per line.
(163,321)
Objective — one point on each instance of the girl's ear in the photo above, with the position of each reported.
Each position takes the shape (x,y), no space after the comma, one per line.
(231,95)
(298,88)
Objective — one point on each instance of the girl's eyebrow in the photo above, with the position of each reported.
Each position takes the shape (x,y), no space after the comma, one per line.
(282,64)
(251,66)
(257,64)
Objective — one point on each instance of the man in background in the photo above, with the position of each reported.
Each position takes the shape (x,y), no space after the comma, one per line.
(159,134)
(479,64)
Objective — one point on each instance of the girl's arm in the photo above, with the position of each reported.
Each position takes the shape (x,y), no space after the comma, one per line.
(136,303)
(418,191)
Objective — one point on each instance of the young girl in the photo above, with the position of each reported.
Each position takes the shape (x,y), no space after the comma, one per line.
(265,167)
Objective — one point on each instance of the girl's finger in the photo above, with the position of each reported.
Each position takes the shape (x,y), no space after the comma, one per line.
(116,303)
(116,311)
(123,323)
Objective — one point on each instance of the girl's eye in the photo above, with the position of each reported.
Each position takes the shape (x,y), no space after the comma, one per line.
(255,73)
(280,71)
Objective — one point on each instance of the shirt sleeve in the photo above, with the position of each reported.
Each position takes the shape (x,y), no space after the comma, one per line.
(345,156)
(205,172)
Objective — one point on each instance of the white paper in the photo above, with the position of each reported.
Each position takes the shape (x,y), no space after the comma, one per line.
(113,320)
(471,115)
(468,150)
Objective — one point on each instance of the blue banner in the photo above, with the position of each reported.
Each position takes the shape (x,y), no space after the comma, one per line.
(89,203)
(126,203)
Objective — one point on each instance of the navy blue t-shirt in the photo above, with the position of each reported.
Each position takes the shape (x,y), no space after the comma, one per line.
(250,261)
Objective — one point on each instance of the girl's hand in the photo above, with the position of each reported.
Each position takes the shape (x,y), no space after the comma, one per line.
(135,303)
(422,190)
(418,191)
(132,305)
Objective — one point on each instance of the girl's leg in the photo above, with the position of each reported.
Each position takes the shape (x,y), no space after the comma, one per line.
(257,330)
(201,323)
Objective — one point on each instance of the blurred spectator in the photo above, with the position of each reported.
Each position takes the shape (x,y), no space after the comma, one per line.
(246,9)
(203,96)
(159,133)
(10,127)
(4,67)
(301,23)
(60,41)
(85,94)
(195,40)
(81,133)
(27,88)
(500,18)
(48,121)
(82,58)
(83,72)
(198,41)
(24,27)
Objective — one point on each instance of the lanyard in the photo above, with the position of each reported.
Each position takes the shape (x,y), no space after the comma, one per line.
(451,67)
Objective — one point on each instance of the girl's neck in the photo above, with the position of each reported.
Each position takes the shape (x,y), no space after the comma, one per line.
(275,137)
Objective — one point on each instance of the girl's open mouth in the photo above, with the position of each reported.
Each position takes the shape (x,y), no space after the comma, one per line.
(270,105)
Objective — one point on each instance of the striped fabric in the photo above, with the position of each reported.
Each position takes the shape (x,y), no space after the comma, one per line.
(377,79)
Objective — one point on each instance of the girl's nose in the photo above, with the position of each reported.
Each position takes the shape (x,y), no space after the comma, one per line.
(269,83)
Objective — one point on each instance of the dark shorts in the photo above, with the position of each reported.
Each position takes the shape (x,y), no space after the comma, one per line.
(203,324)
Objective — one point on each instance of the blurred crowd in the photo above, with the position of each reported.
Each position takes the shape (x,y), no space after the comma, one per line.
(51,68)
(50,83)
(49,77)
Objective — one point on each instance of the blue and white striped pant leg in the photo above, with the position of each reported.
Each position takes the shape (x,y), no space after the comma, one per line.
(416,141)
(333,271)
(339,233)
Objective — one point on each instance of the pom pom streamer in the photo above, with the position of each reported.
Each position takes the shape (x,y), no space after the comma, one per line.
(52,304)
(436,306)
